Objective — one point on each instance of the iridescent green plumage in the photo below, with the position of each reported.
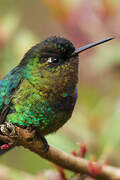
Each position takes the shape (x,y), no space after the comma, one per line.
(45,93)
(41,91)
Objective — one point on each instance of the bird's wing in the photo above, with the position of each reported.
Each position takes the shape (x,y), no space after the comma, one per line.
(8,86)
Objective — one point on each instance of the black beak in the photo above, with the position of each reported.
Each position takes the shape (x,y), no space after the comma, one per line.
(79,50)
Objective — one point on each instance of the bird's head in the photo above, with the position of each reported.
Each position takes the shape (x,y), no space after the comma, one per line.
(52,65)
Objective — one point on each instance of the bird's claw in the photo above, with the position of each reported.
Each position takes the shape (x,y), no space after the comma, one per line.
(8,129)
(45,144)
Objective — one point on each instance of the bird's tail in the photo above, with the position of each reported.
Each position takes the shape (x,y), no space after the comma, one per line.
(5,147)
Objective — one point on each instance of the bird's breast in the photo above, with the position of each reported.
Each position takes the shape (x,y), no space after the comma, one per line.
(62,110)
(30,108)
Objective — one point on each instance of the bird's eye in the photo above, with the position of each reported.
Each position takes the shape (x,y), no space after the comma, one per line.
(54,60)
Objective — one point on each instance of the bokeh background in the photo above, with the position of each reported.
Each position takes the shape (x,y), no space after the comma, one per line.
(96,118)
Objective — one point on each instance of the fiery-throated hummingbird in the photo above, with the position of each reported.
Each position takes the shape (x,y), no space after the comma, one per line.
(41,91)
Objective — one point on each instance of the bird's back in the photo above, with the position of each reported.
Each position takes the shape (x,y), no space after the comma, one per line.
(8,85)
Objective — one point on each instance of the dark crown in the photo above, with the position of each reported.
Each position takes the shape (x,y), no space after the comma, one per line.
(57,45)
(51,46)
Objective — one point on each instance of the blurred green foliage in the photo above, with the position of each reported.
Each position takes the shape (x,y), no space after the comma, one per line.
(96,118)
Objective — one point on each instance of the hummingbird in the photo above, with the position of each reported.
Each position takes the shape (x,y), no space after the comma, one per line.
(41,91)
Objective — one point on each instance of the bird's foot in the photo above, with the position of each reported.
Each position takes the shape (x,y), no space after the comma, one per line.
(8,129)
(35,135)
(45,144)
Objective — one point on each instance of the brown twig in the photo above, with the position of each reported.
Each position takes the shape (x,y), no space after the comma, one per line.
(63,159)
